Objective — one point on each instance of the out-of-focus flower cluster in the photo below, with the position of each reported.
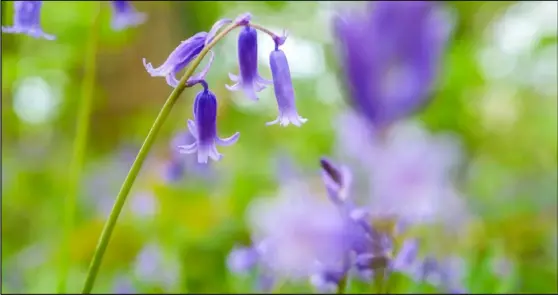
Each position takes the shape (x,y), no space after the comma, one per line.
(362,231)
(27,18)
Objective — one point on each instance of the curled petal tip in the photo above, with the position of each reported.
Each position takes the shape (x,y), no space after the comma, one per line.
(233,88)
(188,149)
(229,140)
(233,77)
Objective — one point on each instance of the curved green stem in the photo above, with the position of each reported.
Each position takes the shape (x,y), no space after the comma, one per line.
(138,162)
(79,148)
(260,28)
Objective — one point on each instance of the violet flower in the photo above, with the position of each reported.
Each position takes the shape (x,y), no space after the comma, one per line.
(328,281)
(299,231)
(204,128)
(123,285)
(185,53)
(243,260)
(27,18)
(249,79)
(390,56)
(283,87)
(124,15)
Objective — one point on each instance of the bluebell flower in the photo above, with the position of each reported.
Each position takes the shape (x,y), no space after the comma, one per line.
(187,51)
(302,234)
(249,79)
(123,285)
(124,15)
(283,88)
(390,56)
(27,20)
(327,281)
(409,185)
(204,128)
(243,260)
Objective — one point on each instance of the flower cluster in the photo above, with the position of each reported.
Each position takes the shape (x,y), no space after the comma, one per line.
(204,126)
(298,236)
(27,18)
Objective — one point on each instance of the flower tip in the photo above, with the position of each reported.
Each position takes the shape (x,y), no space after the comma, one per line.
(331,170)
(243,19)
(148,67)
(280,40)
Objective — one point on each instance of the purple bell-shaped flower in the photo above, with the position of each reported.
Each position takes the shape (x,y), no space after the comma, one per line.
(27,20)
(204,128)
(249,79)
(125,15)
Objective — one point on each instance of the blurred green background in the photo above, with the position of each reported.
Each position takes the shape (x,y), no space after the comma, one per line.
(497,92)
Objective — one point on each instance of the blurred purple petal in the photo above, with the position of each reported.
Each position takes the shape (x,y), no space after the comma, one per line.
(300,230)
(124,15)
(390,55)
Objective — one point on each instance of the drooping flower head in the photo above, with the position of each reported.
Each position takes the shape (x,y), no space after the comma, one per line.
(390,56)
(249,79)
(204,128)
(283,87)
(187,51)
(27,20)
(124,15)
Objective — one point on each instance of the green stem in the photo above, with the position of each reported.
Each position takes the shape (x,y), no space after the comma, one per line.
(79,148)
(138,162)
(260,28)
(342,285)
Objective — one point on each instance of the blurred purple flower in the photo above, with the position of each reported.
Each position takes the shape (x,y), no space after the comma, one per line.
(180,164)
(445,274)
(103,179)
(299,231)
(123,285)
(327,281)
(408,184)
(204,128)
(144,204)
(27,20)
(390,55)
(284,91)
(249,79)
(124,15)
(242,259)
(152,268)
